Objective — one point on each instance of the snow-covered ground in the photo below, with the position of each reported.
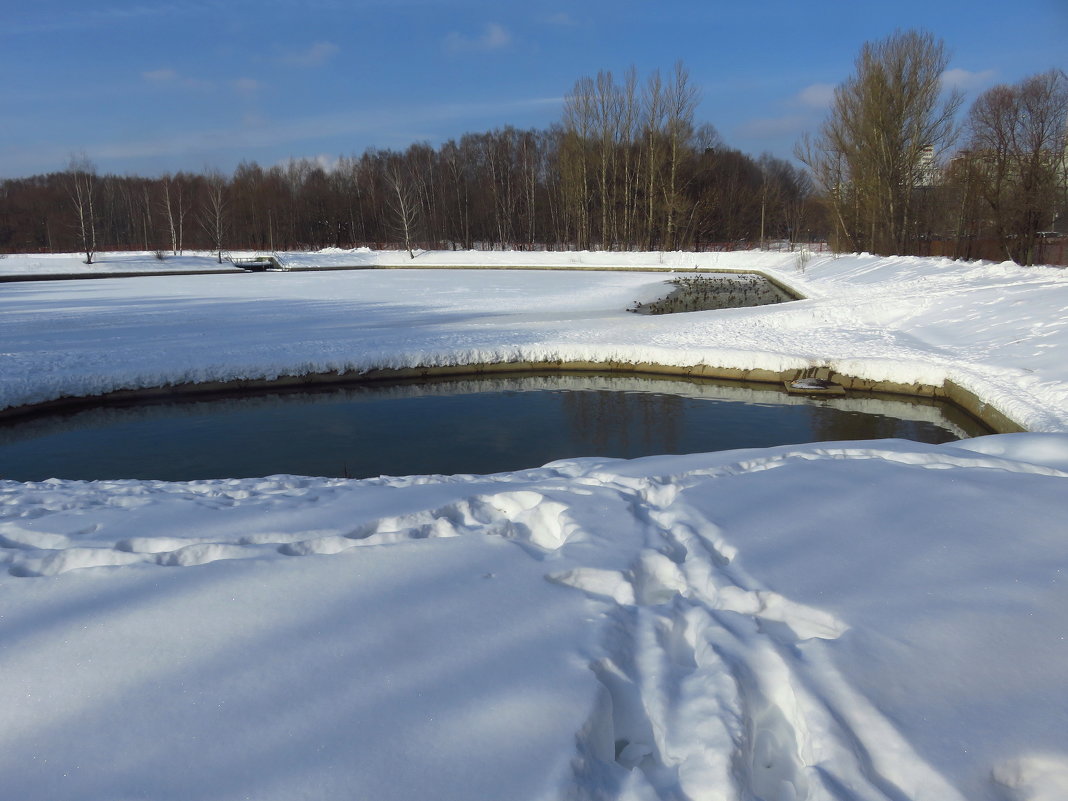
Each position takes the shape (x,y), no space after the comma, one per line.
(997,330)
(864,620)
(28,265)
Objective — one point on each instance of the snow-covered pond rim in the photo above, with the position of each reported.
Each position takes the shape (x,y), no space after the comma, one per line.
(968,401)
(972,401)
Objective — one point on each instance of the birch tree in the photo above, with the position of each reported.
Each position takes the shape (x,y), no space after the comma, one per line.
(681,102)
(579,115)
(173,204)
(654,112)
(403,203)
(81,188)
(213,214)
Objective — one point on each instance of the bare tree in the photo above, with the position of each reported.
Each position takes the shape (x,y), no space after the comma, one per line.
(870,153)
(681,101)
(630,135)
(174,206)
(458,227)
(81,188)
(606,107)
(403,202)
(579,127)
(213,214)
(654,108)
(1017,151)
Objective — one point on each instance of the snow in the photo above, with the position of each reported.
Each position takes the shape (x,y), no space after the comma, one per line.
(770,623)
(996,330)
(73,264)
(850,620)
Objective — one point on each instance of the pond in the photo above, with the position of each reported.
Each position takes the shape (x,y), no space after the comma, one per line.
(446,426)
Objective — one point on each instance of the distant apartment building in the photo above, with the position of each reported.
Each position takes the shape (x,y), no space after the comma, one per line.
(926,173)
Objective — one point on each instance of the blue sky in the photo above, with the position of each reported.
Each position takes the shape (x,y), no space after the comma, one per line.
(151,86)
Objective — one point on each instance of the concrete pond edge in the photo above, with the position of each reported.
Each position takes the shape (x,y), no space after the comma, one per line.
(968,401)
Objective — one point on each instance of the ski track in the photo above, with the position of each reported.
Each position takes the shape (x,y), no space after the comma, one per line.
(712,686)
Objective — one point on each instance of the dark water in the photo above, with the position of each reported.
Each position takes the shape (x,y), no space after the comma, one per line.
(459,426)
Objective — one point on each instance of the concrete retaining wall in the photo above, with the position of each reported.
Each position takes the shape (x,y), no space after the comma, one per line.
(971,403)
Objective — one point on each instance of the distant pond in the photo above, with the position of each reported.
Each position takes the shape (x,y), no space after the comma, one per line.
(447,426)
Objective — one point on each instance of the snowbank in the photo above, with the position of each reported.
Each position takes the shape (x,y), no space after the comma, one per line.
(857,620)
(28,265)
(996,330)
(837,621)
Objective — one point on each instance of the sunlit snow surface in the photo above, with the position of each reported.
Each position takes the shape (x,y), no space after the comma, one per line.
(851,620)
(998,330)
(858,620)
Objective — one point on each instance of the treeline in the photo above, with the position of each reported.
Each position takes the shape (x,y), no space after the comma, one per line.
(634,171)
(1010,182)
(875,158)
(627,167)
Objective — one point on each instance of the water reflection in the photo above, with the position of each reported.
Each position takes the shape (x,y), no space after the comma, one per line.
(631,421)
(448,426)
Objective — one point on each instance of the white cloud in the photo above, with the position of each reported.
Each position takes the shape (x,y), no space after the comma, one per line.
(314,56)
(966,80)
(817,95)
(494,37)
(799,113)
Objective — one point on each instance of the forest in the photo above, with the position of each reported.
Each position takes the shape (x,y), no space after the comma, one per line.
(504,188)
(628,166)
